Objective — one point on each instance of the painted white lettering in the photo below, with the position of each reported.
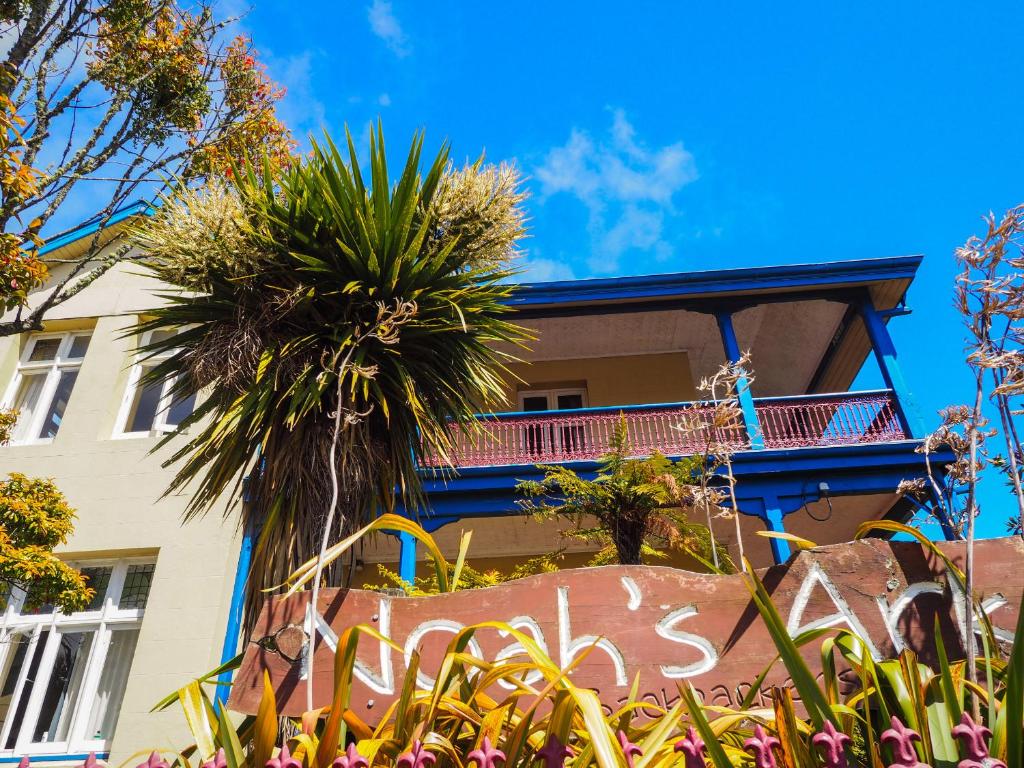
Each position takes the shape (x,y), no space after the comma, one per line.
(569,647)
(989,605)
(664,627)
(633,591)
(435,625)
(516,649)
(382,682)
(891,614)
(844,614)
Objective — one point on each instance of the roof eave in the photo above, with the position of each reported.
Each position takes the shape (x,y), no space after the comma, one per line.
(796,277)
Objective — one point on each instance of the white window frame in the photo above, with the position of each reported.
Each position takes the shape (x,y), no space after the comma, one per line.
(552,396)
(545,439)
(103,622)
(160,425)
(61,362)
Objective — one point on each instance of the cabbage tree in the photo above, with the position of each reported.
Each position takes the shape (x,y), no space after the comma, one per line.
(339,324)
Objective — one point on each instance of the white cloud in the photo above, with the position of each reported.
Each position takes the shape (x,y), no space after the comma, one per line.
(300,110)
(537,270)
(627,187)
(385,25)
(384,100)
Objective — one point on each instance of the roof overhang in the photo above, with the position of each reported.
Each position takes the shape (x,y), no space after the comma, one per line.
(98,231)
(886,278)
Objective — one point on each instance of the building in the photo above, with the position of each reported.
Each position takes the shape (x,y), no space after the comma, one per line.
(817,459)
(71,685)
(813,458)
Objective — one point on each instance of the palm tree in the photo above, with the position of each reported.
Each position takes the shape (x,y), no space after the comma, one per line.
(343,328)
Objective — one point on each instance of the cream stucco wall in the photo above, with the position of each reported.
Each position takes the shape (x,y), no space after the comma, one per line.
(116,487)
(622,380)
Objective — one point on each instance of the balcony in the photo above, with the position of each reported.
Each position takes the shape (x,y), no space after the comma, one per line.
(675,429)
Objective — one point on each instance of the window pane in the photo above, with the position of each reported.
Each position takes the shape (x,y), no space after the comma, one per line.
(181,407)
(156,336)
(44,349)
(566,402)
(535,403)
(63,688)
(16,647)
(145,403)
(55,414)
(97,578)
(78,346)
(137,582)
(26,401)
(18,714)
(110,691)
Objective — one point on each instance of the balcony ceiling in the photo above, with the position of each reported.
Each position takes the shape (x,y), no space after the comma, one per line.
(787,340)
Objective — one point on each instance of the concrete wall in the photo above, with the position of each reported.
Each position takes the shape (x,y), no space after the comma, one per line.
(116,485)
(625,380)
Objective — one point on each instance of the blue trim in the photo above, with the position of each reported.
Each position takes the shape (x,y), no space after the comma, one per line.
(885,354)
(773,520)
(728,281)
(57,758)
(407,557)
(93,226)
(236,606)
(743,394)
(790,474)
(823,395)
(660,406)
(578,411)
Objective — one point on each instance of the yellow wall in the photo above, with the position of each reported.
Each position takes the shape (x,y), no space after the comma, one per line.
(115,485)
(628,380)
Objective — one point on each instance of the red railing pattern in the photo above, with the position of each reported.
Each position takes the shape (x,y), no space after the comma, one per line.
(675,430)
(853,419)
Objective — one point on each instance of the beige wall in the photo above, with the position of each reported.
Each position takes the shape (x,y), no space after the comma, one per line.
(503,543)
(115,485)
(625,380)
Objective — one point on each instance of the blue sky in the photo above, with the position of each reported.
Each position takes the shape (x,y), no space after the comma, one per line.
(676,136)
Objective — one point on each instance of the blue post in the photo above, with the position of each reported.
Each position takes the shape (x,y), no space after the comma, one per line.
(407,557)
(237,605)
(773,518)
(885,354)
(732,351)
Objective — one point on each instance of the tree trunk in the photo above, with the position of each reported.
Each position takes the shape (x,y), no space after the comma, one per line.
(627,531)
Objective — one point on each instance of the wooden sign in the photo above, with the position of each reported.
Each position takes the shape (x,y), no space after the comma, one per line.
(665,624)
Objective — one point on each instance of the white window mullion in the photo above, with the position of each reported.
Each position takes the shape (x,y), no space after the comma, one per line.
(37,407)
(39,686)
(134,376)
(90,680)
(114,588)
(160,422)
(43,404)
(82,700)
(32,641)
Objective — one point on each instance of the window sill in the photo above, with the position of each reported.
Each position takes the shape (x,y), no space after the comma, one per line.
(153,433)
(29,443)
(9,758)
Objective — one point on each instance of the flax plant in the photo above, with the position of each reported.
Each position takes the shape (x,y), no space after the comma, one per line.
(938,494)
(522,708)
(990,298)
(343,324)
(720,430)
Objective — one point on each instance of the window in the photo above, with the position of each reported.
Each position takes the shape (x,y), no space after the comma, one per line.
(42,385)
(550,439)
(150,407)
(62,677)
